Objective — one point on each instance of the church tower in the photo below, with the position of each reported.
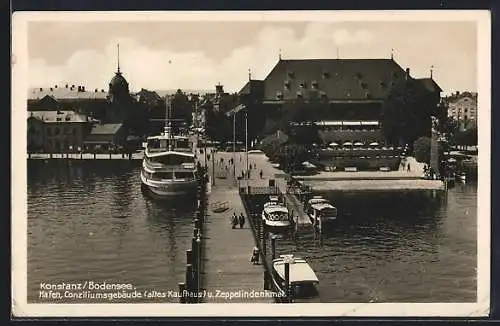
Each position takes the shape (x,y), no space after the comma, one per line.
(118,86)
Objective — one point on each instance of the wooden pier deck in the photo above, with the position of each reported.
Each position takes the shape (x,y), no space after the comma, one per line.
(228,251)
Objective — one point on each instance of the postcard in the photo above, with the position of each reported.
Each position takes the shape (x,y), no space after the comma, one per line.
(251,164)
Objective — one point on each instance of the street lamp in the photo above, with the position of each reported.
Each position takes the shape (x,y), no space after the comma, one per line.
(246,138)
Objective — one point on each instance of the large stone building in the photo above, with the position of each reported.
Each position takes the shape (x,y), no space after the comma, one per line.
(57,131)
(344,99)
(462,107)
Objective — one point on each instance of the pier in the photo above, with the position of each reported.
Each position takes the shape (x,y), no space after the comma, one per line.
(227,266)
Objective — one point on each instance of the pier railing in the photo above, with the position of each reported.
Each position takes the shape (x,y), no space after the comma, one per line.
(270,282)
(190,290)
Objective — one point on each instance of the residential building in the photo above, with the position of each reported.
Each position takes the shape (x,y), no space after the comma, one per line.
(462,107)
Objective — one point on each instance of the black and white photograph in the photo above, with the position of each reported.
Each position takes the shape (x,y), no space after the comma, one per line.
(320,163)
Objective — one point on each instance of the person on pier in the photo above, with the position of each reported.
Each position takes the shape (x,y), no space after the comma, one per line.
(234,221)
(255,256)
(242,220)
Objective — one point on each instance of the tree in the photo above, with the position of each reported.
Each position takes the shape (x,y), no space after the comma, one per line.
(422,149)
(406,112)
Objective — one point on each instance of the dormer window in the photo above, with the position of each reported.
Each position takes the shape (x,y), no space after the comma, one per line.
(314,84)
(322,94)
(279,95)
(325,75)
(302,84)
(299,94)
(368,95)
(291,74)
(287,84)
(58,119)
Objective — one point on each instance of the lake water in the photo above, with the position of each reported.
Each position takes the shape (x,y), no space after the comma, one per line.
(90,221)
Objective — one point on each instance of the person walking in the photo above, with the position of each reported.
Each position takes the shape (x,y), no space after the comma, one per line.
(242,220)
(234,221)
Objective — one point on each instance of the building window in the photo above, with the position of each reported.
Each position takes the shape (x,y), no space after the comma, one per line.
(287,84)
(325,75)
(383,85)
(291,74)
(299,94)
(364,85)
(58,119)
(279,95)
(314,84)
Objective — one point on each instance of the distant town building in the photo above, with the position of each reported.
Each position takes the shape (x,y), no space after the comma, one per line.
(57,131)
(349,95)
(462,107)
(105,137)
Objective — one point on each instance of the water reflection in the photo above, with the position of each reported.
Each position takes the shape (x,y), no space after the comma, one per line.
(91,221)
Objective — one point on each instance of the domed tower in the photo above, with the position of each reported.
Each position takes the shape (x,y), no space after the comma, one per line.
(118,86)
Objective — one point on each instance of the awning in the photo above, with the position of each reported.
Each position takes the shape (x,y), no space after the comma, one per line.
(451,160)
(333,144)
(358,144)
(374,144)
(347,144)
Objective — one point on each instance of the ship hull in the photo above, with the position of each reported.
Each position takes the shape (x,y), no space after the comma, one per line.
(170,188)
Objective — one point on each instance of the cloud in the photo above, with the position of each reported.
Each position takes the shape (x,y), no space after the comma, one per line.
(144,67)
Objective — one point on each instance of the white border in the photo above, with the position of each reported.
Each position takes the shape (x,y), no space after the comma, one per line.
(20,307)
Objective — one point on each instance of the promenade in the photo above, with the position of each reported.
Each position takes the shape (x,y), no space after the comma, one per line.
(228,251)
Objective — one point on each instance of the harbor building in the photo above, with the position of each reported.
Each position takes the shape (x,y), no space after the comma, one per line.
(462,107)
(344,99)
(57,131)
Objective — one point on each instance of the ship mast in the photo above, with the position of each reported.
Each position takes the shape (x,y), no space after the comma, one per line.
(168,122)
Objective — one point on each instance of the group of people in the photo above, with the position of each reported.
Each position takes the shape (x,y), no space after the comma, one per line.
(235,220)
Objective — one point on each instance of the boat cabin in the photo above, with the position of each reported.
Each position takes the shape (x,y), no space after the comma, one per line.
(276,213)
(322,212)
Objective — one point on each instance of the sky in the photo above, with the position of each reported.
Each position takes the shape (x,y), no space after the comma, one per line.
(161,55)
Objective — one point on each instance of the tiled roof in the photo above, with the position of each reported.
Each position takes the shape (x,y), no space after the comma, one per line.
(57,116)
(430,84)
(252,86)
(338,79)
(106,129)
(65,93)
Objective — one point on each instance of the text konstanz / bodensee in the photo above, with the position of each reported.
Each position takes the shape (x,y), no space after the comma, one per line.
(86,285)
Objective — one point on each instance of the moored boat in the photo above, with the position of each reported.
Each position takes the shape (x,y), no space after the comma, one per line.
(320,210)
(302,278)
(275,214)
(169,165)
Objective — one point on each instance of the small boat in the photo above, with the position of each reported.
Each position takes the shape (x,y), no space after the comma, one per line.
(303,279)
(320,210)
(275,214)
